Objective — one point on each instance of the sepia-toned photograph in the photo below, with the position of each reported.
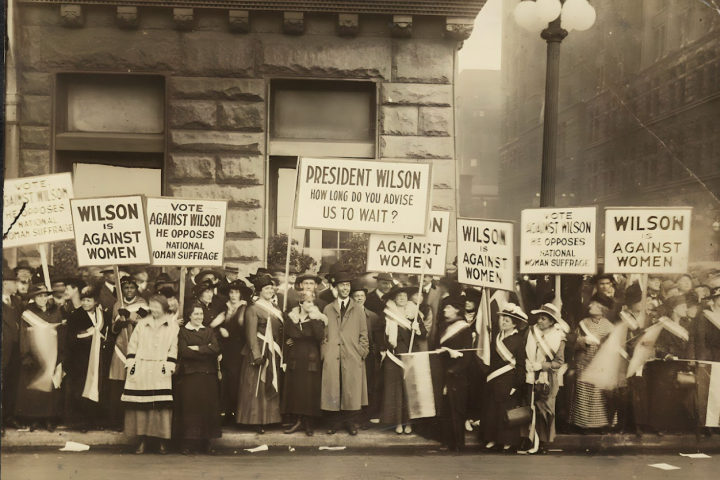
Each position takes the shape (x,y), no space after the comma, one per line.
(361,240)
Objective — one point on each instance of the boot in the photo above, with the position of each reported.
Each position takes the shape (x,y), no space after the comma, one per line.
(296,427)
(309,427)
(162,450)
(141,447)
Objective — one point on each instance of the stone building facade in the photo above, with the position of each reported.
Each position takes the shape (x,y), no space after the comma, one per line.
(214,98)
(639,120)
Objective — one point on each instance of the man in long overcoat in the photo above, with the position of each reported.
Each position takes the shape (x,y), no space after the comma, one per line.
(344,384)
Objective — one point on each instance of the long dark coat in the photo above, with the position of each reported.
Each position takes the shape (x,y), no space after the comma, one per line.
(10,354)
(303,379)
(499,395)
(231,349)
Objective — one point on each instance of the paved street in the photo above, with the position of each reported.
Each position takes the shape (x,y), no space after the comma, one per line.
(306,463)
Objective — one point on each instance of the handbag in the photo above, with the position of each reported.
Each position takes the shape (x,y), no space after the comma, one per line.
(518,416)
(685,380)
(542,385)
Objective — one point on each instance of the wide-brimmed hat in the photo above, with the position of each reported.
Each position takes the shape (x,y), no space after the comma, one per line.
(8,274)
(37,289)
(514,312)
(262,281)
(383,276)
(260,271)
(603,300)
(90,292)
(239,285)
(201,287)
(674,301)
(107,269)
(553,312)
(473,295)
(231,269)
(604,276)
(342,277)
(455,301)
(23,265)
(357,287)
(128,280)
(396,290)
(308,276)
(76,282)
(633,294)
(164,279)
(203,274)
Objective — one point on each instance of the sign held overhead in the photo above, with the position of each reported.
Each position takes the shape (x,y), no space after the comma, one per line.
(405,253)
(485,253)
(37,210)
(369,196)
(110,230)
(647,240)
(186,232)
(558,240)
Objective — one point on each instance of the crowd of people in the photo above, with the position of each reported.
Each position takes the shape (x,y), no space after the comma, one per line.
(308,351)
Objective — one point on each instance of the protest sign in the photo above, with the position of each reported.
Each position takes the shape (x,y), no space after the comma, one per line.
(405,253)
(485,253)
(110,230)
(37,210)
(363,196)
(558,240)
(186,232)
(647,240)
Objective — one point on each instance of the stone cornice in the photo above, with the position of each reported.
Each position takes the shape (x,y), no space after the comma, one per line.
(455,8)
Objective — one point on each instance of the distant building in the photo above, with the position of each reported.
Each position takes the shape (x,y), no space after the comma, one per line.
(478,131)
(639,119)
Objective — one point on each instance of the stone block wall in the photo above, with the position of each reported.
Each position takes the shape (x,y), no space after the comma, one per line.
(217,102)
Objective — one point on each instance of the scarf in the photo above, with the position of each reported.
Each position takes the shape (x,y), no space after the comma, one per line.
(91,390)
(398,318)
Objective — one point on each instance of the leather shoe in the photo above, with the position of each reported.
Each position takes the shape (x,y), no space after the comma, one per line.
(352,429)
(163,449)
(50,426)
(331,431)
(294,428)
(140,448)
(309,428)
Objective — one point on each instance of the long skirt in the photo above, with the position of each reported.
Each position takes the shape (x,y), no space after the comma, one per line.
(35,404)
(260,409)
(82,412)
(495,406)
(197,407)
(153,423)
(545,418)
(589,406)
(670,408)
(230,366)
(301,393)
(394,401)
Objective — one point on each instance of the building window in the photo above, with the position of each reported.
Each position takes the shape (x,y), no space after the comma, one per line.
(110,126)
(659,39)
(323,118)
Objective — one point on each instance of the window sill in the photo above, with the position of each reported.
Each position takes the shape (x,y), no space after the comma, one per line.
(306,148)
(110,142)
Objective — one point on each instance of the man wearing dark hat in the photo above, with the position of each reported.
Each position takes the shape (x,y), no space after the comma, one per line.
(23,271)
(230,274)
(346,345)
(330,294)
(11,312)
(375,302)
(307,282)
(373,362)
(108,295)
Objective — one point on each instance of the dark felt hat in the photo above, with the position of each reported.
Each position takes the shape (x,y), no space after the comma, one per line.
(128,280)
(383,276)
(164,279)
(90,292)
(8,274)
(201,287)
(78,283)
(204,274)
(604,276)
(674,301)
(473,295)
(603,300)
(23,265)
(308,276)
(342,277)
(455,301)
(397,289)
(358,287)
(260,271)
(262,281)
(239,285)
(38,289)
(633,294)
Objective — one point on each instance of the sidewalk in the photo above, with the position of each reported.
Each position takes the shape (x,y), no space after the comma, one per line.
(372,438)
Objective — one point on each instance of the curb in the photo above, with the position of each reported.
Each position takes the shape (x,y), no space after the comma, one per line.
(372,438)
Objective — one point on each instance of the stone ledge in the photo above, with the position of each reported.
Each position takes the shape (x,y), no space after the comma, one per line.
(214,141)
(209,88)
(416,147)
(416,94)
(243,197)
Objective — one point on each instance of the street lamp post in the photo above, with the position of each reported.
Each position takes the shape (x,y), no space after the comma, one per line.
(554,19)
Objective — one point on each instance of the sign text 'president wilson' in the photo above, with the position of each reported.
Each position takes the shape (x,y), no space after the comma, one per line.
(363,196)
(110,230)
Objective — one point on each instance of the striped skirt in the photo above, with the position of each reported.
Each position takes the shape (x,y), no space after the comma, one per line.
(148,385)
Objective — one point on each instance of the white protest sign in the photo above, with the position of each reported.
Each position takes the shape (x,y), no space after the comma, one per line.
(186,232)
(485,253)
(405,253)
(110,231)
(369,196)
(558,240)
(647,240)
(45,217)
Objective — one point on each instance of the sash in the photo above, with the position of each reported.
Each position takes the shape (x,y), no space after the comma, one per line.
(270,310)
(630,320)
(120,354)
(712,318)
(588,334)
(540,340)
(91,390)
(395,359)
(269,340)
(674,328)
(43,345)
(454,329)
(395,317)
(506,355)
